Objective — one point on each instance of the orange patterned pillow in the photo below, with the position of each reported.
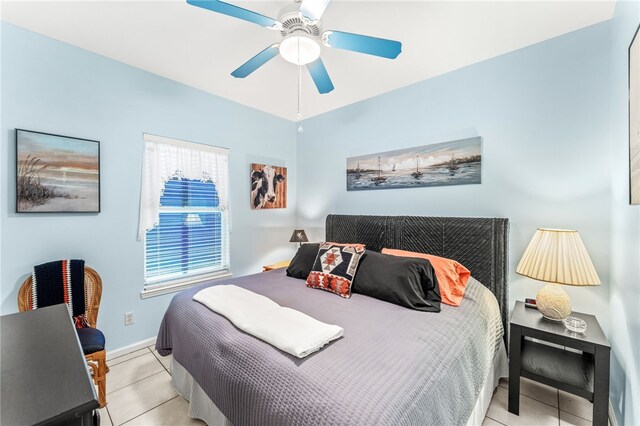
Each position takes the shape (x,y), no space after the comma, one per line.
(335,267)
(452,276)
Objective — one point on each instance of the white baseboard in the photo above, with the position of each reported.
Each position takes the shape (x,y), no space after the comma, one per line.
(612,417)
(131,348)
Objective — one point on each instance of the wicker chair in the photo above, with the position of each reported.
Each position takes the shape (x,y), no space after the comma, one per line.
(96,361)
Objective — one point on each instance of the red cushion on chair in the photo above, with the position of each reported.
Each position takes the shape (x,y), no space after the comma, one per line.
(91,339)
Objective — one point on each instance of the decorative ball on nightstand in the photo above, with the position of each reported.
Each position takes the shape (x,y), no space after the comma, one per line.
(553,302)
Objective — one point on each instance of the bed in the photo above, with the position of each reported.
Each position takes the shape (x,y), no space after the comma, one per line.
(393,366)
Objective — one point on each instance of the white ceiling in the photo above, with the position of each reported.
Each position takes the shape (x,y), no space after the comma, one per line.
(201,48)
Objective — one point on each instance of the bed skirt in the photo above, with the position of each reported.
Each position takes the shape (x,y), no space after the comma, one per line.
(201,407)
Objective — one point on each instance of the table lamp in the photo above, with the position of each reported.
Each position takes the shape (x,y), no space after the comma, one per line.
(557,256)
(299,236)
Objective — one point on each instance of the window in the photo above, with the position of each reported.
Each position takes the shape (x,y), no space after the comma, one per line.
(183,214)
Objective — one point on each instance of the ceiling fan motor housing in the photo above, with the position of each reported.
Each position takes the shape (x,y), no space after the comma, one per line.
(300,43)
(291,21)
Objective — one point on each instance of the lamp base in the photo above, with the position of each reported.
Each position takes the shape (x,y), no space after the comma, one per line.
(552,319)
(553,302)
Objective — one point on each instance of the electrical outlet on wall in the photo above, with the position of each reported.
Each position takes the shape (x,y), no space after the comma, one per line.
(128,318)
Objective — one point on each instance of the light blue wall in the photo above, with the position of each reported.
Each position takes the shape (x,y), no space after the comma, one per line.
(624,291)
(554,119)
(54,87)
(542,112)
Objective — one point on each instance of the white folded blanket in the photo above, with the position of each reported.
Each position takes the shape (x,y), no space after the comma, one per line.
(287,329)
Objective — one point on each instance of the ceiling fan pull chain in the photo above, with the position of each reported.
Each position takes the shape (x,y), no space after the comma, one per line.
(299,115)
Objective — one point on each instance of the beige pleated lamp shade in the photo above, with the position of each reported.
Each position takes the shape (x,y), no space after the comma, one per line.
(558,256)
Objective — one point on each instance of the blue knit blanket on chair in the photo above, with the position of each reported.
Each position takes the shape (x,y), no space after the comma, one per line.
(61,281)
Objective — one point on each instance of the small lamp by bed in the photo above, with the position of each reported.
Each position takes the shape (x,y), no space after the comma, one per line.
(299,236)
(557,256)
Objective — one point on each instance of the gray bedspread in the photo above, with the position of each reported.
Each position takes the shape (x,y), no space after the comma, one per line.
(393,365)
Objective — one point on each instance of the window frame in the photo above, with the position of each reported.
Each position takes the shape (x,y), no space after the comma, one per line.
(157,286)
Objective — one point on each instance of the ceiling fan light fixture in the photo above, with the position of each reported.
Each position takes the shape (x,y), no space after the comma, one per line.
(299,48)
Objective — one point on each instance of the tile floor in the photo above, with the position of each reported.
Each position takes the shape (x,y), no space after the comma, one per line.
(540,405)
(139,392)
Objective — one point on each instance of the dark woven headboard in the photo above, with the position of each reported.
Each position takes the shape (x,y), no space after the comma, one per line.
(480,244)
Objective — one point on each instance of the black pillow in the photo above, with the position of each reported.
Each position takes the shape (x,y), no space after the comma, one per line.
(404,281)
(302,263)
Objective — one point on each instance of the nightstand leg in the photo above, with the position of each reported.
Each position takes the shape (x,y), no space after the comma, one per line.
(515,347)
(601,387)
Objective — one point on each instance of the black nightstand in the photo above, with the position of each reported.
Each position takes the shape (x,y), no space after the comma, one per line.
(584,374)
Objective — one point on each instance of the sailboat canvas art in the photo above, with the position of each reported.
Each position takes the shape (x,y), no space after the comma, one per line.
(449,163)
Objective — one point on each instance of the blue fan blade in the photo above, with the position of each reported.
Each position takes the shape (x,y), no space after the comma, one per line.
(363,44)
(256,62)
(237,12)
(320,76)
(312,10)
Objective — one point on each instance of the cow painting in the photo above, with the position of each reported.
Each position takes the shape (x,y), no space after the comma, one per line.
(268,187)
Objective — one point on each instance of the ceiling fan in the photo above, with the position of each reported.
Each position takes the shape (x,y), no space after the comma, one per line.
(301,29)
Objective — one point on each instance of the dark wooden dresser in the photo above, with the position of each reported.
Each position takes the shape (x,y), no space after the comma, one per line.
(44,378)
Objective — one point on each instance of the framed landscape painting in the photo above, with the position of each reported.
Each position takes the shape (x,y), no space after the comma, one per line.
(56,174)
(634,120)
(449,163)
